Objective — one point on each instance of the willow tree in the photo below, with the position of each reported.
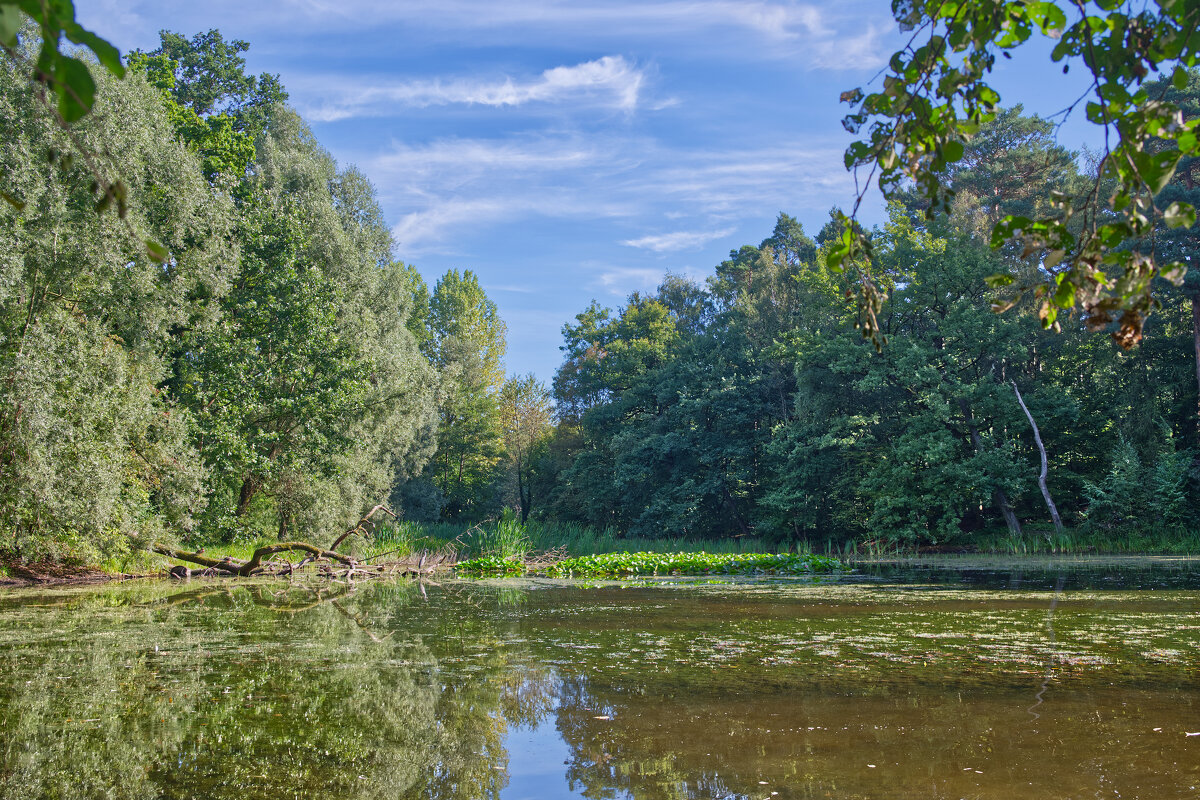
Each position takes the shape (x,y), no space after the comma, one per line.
(526,415)
(92,450)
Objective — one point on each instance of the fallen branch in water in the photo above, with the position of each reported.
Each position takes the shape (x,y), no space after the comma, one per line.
(335,567)
(255,565)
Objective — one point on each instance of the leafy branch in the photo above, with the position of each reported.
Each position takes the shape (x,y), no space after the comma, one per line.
(934,98)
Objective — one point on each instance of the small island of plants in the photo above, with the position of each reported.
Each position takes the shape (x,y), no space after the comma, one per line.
(609,565)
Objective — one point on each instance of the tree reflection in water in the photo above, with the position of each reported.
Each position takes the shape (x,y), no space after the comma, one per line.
(297,692)
(272,690)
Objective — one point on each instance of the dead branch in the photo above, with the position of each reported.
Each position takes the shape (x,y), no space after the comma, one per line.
(365,525)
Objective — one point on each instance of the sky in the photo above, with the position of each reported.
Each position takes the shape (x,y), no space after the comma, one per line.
(578,150)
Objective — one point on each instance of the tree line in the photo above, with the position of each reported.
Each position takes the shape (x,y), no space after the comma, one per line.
(751,405)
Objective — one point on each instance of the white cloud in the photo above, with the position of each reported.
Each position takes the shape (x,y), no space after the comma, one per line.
(620,281)
(610,82)
(454,188)
(455,161)
(623,280)
(679,240)
(435,220)
(823,36)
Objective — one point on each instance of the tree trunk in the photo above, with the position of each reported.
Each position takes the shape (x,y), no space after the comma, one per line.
(998,495)
(285,521)
(233,566)
(250,486)
(524,495)
(1037,437)
(1196,347)
(365,525)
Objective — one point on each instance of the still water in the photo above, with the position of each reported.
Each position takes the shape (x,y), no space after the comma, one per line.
(1061,680)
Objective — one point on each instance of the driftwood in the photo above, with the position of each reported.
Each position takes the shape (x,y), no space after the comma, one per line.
(365,525)
(255,566)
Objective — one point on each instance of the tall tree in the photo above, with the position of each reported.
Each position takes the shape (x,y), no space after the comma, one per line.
(1181,244)
(312,396)
(207,75)
(466,344)
(527,423)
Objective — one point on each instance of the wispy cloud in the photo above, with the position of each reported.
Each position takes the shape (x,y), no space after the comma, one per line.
(610,82)
(821,36)
(454,161)
(772,18)
(448,189)
(622,280)
(818,35)
(679,240)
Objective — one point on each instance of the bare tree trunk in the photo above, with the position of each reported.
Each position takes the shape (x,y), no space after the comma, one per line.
(1037,437)
(998,495)
(285,520)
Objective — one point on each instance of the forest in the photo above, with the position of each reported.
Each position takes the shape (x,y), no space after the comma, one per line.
(281,372)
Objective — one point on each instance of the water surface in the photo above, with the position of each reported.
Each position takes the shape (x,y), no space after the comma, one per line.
(956,680)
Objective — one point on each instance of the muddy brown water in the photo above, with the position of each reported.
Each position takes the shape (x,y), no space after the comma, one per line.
(945,679)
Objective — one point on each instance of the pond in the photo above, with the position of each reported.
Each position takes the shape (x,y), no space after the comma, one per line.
(956,680)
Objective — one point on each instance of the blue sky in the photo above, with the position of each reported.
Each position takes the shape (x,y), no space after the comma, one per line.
(578,150)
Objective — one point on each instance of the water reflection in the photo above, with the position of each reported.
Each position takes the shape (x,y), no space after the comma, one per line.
(777,689)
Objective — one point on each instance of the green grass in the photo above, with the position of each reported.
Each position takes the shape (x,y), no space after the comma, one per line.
(612,565)
(1042,539)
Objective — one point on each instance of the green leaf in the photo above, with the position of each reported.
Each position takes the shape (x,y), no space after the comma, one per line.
(10,25)
(1179,78)
(1174,272)
(106,54)
(999,280)
(12,201)
(1156,169)
(1064,295)
(952,151)
(156,250)
(75,88)
(1009,227)
(1048,17)
(1179,215)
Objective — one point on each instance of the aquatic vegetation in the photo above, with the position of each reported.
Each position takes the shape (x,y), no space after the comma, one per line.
(492,567)
(645,563)
(692,564)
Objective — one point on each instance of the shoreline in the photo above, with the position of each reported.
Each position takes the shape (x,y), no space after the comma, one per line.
(57,575)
